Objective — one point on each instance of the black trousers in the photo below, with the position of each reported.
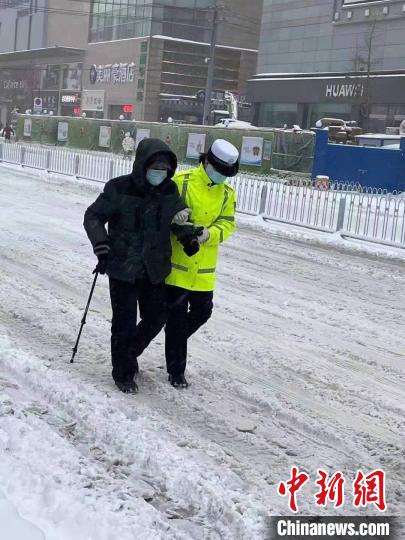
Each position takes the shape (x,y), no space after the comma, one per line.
(188,311)
(129,340)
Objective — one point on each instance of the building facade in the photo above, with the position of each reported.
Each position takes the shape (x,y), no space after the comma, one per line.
(331,58)
(146,60)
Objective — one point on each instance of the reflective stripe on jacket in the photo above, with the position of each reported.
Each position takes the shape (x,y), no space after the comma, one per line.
(213,206)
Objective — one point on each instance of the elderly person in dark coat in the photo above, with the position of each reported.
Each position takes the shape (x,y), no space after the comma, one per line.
(140,209)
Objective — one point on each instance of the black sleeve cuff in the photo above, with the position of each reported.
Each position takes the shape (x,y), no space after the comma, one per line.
(101,249)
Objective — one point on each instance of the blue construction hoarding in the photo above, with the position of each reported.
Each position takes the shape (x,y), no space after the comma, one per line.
(380,168)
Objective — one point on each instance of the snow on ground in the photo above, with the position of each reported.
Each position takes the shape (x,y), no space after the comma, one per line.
(13,527)
(306,343)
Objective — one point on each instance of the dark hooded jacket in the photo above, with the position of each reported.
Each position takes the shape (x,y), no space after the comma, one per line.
(139,218)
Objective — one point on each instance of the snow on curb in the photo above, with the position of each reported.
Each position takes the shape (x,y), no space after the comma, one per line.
(321,239)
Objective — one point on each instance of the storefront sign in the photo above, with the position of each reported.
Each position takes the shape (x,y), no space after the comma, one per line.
(93,100)
(63,131)
(196,145)
(14,85)
(252,151)
(112,73)
(104,139)
(344,90)
(141,134)
(69,99)
(27,127)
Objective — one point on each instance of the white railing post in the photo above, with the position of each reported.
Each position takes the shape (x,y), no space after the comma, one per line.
(1,151)
(111,170)
(22,156)
(77,165)
(48,160)
(263,200)
(341,213)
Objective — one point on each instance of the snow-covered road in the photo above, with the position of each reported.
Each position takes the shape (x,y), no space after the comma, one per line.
(306,345)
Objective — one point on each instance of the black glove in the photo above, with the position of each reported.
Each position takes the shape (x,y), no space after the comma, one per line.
(191,246)
(102,265)
(189,239)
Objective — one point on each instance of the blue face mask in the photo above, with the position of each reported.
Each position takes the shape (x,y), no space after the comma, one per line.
(155,177)
(214,175)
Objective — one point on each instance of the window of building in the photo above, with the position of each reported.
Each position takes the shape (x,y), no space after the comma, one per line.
(119,19)
(13,3)
(184,19)
(348,2)
(278,114)
(317,111)
(384,115)
(51,78)
(72,77)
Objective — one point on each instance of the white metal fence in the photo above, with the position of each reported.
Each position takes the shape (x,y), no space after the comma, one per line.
(374,217)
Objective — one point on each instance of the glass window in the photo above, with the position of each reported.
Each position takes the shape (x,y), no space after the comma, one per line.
(278,114)
(51,78)
(119,19)
(72,76)
(343,111)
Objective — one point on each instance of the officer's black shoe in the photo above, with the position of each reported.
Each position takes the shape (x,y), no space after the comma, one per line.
(178,381)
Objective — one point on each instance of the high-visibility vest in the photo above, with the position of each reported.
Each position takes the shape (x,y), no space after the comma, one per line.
(213,206)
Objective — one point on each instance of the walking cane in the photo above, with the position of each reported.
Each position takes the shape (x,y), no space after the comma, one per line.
(84,318)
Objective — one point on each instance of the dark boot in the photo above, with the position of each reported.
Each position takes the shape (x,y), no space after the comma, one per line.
(178,381)
(127,387)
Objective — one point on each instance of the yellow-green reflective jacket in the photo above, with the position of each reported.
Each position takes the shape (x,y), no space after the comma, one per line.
(213,206)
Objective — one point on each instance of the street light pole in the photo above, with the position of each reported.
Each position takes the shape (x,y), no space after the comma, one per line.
(211,68)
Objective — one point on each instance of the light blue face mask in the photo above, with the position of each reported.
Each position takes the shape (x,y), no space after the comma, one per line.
(155,177)
(214,175)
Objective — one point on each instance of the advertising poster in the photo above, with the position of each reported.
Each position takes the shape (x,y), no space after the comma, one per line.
(252,151)
(63,131)
(195,145)
(104,139)
(267,150)
(141,134)
(27,127)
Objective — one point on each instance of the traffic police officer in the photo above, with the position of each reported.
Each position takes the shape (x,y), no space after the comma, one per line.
(191,284)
